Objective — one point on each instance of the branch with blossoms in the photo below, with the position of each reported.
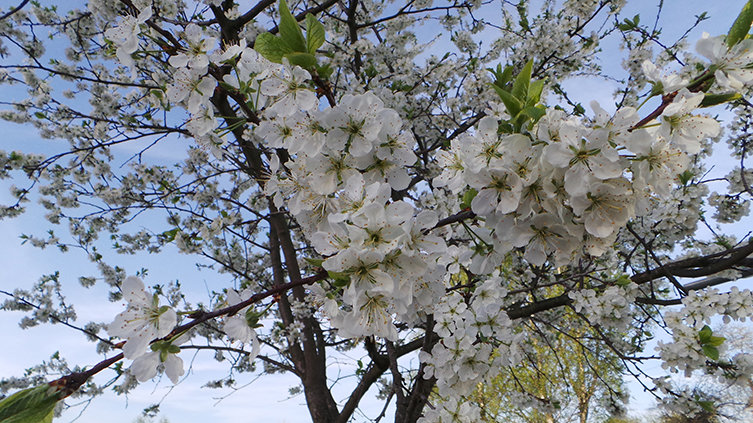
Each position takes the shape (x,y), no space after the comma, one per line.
(70,383)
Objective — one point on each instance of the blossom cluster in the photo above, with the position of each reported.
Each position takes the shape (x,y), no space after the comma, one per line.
(147,328)
(458,362)
(346,161)
(685,352)
(568,187)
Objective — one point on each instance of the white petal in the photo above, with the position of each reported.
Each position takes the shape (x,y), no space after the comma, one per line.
(166,322)
(144,367)
(134,291)
(174,367)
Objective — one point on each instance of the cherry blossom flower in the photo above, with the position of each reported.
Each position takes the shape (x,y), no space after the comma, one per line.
(669,83)
(685,129)
(163,353)
(733,65)
(195,57)
(607,206)
(125,37)
(291,90)
(586,161)
(237,326)
(143,320)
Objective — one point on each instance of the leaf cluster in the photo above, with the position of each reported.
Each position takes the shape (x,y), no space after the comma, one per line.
(292,44)
(520,96)
(709,342)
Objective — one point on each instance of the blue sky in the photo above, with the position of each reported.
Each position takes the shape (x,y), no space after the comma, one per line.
(265,400)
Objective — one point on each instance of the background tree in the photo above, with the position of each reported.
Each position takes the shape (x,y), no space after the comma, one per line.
(352,190)
(567,376)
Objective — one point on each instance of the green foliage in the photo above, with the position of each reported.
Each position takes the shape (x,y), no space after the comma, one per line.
(252,318)
(709,343)
(164,348)
(714,99)
(339,279)
(468,196)
(317,262)
(563,369)
(291,44)
(521,97)
(741,26)
(271,47)
(32,405)
(290,32)
(314,33)
(629,24)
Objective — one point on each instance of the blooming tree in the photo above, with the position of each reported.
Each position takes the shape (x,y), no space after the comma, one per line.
(363,191)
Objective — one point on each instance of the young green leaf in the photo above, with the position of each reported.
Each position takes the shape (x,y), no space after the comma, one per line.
(467,198)
(314,34)
(707,405)
(714,99)
(32,405)
(314,261)
(534,92)
(324,71)
(501,77)
(290,32)
(520,86)
(715,341)
(535,113)
(339,279)
(513,105)
(304,60)
(705,334)
(741,26)
(270,47)
(711,352)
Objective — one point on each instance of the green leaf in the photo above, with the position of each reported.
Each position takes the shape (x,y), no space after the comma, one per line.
(513,105)
(324,71)
(707,405)
(535,113)
(657,88)
(468,196)
(252,318)
(290,32)
(314,33)
(314,261)
(685,177)
(32,405)
(520,86)
(715,341)
(705,334)
(711,352)
(534,92)
(339,279)
(714,99)
(501,77)
(520,120)
(170,235)
(304,60)
(628,24)
(270,47)
(741,26)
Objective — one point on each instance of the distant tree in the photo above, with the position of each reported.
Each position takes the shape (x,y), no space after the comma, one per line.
(566,376)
